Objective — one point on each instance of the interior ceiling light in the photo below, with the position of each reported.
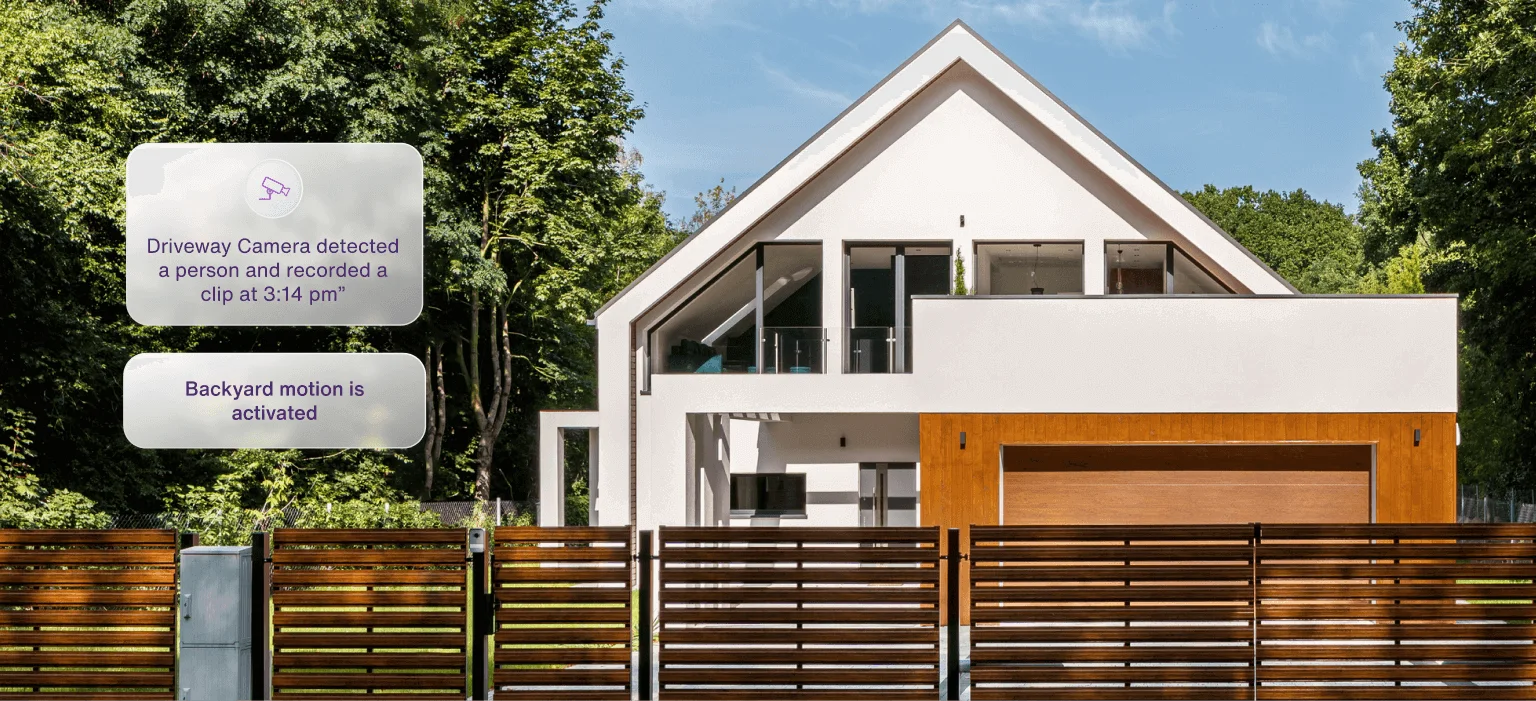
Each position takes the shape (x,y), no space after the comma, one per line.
(1119,271)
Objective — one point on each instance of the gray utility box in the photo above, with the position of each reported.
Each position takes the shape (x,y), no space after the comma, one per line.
(215,623)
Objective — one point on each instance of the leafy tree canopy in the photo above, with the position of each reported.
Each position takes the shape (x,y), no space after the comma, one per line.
(533,208)
(1455,175)
(1312,243)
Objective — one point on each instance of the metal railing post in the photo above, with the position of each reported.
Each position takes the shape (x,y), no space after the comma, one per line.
(952,567)
(261,602)
(483,616)
(644,563)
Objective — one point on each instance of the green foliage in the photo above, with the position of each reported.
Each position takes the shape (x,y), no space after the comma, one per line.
(1311,243)
(24,503)
(1456,173)
(708,205)
(514,103)
(262,489)
(960,288)
(578,503)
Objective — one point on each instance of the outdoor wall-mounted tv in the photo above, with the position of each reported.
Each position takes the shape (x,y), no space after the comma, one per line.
(767,495)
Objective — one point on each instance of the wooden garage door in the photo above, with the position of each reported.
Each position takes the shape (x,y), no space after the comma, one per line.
(1167,484)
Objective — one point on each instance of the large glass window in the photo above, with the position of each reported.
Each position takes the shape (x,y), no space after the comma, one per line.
(1135,268)
(1154,268)
(793,339)
(1029,268)
(773,287)
(1191,279)
(881,283)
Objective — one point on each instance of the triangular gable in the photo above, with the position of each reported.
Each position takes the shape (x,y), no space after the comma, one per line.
(957,43)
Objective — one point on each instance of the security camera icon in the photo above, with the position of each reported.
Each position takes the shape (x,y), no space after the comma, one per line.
(273,187)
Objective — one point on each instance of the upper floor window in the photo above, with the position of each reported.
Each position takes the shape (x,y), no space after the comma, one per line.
(1029,268)
(881,281)
(1155,268)
(762,314)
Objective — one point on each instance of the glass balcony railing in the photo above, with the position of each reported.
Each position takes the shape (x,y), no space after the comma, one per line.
(794,349)
(871,349)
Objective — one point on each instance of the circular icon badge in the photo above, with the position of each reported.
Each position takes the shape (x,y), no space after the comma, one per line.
(273,189)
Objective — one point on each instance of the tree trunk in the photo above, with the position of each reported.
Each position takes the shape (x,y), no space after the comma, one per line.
(437,417)
(490,416)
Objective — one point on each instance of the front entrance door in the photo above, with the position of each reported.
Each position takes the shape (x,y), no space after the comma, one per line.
(887,494)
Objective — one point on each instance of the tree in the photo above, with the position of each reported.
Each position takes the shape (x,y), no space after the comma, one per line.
(535,214)
(708,205)
(1311,243)
(527,184)
(1455,174)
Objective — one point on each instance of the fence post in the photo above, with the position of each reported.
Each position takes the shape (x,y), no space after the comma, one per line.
(644,561)
(952,567)
(261,602)
(483,610)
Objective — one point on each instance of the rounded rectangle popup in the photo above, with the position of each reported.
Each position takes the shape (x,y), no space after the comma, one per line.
(274,400)
(274,234)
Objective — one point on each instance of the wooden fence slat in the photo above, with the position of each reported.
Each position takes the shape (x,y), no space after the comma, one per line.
(409,638)
(734,599)
(1396,611)
(86,653)
(1036,620)
(564,603)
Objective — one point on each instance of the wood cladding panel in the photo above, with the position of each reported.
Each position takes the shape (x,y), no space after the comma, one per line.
(564,622)
(807,613)
(960,486)
(1414,484)
(108,631)
(370,611)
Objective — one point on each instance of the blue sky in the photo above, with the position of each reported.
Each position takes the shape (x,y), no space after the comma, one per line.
(1280,95)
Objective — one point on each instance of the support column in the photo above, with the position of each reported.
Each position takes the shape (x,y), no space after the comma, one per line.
(551,474)
(592,463)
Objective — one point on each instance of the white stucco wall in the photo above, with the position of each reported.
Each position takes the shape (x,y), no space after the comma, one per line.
(1104,354)
(809,444)
(958,131)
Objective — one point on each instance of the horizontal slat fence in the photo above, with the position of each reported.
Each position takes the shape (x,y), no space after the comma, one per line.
(1111,612)
(799,613)
(87,614)
(370,611)
(1385,611)
(563,613)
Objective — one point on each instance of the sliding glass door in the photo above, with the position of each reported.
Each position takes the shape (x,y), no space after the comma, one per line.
(881,283)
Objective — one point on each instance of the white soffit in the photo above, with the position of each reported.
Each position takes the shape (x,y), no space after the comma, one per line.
(957,43)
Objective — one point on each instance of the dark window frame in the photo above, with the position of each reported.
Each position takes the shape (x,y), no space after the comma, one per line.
(1167,270)
(756,510)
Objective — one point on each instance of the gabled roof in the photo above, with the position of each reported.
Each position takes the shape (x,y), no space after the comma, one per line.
(959,43)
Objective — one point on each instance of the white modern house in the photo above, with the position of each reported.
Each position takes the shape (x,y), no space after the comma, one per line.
(802,359)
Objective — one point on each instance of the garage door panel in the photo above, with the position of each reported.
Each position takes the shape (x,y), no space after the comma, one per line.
(1185,484)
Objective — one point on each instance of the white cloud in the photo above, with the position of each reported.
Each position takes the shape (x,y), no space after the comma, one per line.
(1279,40)
(1117,25)
(802,88)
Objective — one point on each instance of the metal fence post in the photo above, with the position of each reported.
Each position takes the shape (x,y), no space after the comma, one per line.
(952,573)
(483,610)
(644,561)
(261,602)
